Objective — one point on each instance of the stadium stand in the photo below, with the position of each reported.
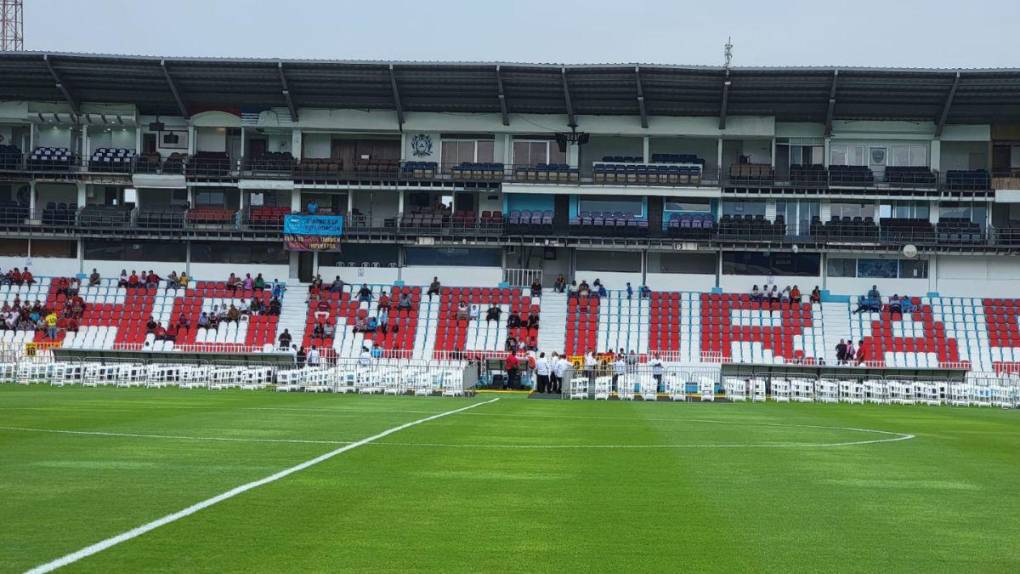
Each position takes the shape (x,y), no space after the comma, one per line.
(10,157)
(50,159)
(112,160)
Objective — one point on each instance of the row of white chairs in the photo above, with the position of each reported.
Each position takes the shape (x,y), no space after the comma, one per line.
(374,379)
(632,386)
(1002,393)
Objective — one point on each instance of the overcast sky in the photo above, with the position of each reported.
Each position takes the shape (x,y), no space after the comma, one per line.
(901,33)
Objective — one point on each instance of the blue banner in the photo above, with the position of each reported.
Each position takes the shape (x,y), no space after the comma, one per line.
(322,225)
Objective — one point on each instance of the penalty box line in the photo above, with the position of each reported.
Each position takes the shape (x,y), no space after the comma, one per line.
(136,532)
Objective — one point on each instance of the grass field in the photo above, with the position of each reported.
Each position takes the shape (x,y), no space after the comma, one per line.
(512,485)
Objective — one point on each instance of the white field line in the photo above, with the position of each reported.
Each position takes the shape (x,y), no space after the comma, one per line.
(174,437)
(136,532)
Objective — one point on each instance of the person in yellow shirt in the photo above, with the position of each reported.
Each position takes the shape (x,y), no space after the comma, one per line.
(51,325)
(184,280)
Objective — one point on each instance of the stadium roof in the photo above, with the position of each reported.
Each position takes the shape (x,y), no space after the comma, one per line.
(168,85)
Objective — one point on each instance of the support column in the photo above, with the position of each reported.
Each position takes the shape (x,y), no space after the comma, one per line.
(400,202)
(81,256)
(935,155)
(573,154)
(294,264)
(403,146)
(84,144)
(508,151)
(33,199)
(296,144)
(192,144)
(82,196)
(933,212)
(823,261)
(315,263)
(191,197)
(187,257)
(138,140)
(644,259)
(718,270)
(350,202)
(295,200)
(244,142)
(719,156)
(646,149)
(825,154)
(773,160)
(933,274)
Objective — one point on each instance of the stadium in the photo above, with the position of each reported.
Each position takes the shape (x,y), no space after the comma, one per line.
(279,314)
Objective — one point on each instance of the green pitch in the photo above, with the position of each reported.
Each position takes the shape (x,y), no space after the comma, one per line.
(513,485)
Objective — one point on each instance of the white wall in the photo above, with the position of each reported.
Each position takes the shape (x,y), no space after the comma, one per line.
(975,276)
(356,275)
(115,138)
(486,204)
(860,286)
(744,283)
(679,282)
(611,279)
(434,154)
(957,155)
(453,276)
(279,142)
(220,271)
(42,266)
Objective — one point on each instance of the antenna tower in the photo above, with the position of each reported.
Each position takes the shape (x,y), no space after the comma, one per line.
(728,51)
(12,37)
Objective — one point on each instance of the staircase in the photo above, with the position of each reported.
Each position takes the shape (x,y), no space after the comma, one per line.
(293,313)
(552,331)
(836,325)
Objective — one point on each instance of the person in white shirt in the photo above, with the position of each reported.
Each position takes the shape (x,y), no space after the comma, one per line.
(561,368)
(542,371)
(657,370)
(591,362)
(474,313)
(619,370)
(365,359)
(313,357)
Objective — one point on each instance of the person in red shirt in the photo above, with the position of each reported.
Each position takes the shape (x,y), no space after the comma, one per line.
(16,276)
(862,354)
(171,333)
(795,294)
(27,278)
(512,365)
(72,325)
(133,279)
(384,302)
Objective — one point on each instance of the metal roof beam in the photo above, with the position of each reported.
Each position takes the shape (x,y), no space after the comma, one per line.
(725,101)
(571,119)
(947,107)
(396,98)
(830,111)
(640,97)
(71,101)
(503,109)
(286,93)
(173,89)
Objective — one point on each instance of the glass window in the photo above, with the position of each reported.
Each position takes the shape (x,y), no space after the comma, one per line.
(686,205)
(865,210)
(611,205)
(877,268)
(743,208)
(358,253)
(838,154)
(484,151)
(240,253)
(756,263)
(65,249)
(838,267)
(619,261)
(919,155)
(913,269)
(14,247)
(137,250)
(688,263)
(904,210)
(900,155)
(454,257)
(856,155)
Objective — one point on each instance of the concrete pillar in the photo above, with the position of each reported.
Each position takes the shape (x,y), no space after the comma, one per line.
(192,137)
(825,154)
(718,269)
(935,155)
(296,144)
(573,154)
(187,258)
(508,149)
(933,212)
(84,144)
(646,149)
(138,139)
(823,261)
(350,202)
(719,156)
(191,197)
(933,274)
(292,274)
(400,202)
(315,263)
(773,153)
(403,146)
(33,197)
(295,200)
(81,256)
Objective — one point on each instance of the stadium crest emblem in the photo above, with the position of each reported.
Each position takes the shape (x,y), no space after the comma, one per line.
(421,145)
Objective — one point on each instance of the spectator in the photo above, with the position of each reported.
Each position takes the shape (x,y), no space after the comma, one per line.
(657,371)
(94,278)
(756,295)
(583,290)
(894,304)
(785,295)
(300,357)
(512,366)
(336,286)
(274,307)
(360,324)
(365,359)
(774,294)
(184,280)
(602,293)
(630,291)
(513,321)
(591,363)
(536,288)
(841,352)
(284,339)
(384,302)
(316,283)
(170,333)
(203,322)
(816,295)
(51,326)
(26,277)
(572,289)
(259,283)
(248,284)
(313,357)
(493,313)
(795,296)
(561,283)
(473,313)
(233,314)
(872,302)
(462,311)
(133,281)
(277,289)
(434,287)
(533,321)
(861,353)
(183,321)
(318,331)
(542,371)
(510,346)
(906,305)
(173,281)
(257,306)
(151,280)
(645,292)
(150,325)
(312,207)
(619,370)
(328,331)
(377,351)
(123,282)
(851,352)
(364,294)
(405,301)
(384,320)
(371,325)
